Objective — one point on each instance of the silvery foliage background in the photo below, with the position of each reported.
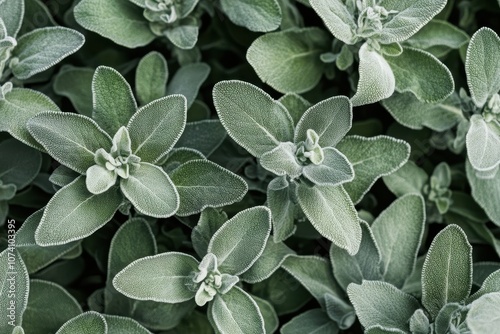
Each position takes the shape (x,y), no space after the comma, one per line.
(250,166)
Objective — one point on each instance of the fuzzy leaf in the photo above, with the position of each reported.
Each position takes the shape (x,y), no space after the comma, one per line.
(337,18)
(332,213)
(371,159)
(271,321)
(376,79)
(482,65)
(483,144)
(74,213)
(183,36)
(119,325)
(447,271)
(161,278)
(268,262)
(282,160)
(151,191)
(203,184)
(156,127)
(398,231)
(483,314)
(409,179)
(438,38)
(113,100)
(412,15)
(151,78)
(188,80)
(33,54)
(330,118)
(486,193)
(315,274)
(12,13)
(251,117)
(289,60)
(430,81)
(120,21)
(241,240)
(255,15)
(18,107)
(69,138)
(333,171)
(365,265)
(227,312)
(86,323)
(296,105)
(49,307)
(380,303)
(210,221)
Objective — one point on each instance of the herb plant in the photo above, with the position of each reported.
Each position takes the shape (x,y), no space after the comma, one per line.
(249,166)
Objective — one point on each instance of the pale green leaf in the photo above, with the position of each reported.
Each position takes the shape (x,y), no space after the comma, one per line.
(490,284)
(398,231)
(268,262)
(160,278)
(371,159)
(74,213)
(282,160)
(183,36)
(438,38)
(337,18)
(447,271)
(156,127)
(49,307)
(18,107)
(296,105)
(119,325)
(86,323)
(151,77)
(71,139)
(332,213)
(483,145)
(409,179)
(331,119)
(241,240)
(113,100)
(483,314)
(236,313)
(289,60)
(203,184)
(251,117)
(120,21)
(12,13)
(333,171)
(271,321)
(412,15)
(380,303)
(315,274)
(151,191)
(486,193)
(430,80)
(33,55)
(204,136)
(482,65)
(376,79)
(255,15)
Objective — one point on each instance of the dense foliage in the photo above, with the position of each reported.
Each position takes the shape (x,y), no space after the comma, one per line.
(249,166)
